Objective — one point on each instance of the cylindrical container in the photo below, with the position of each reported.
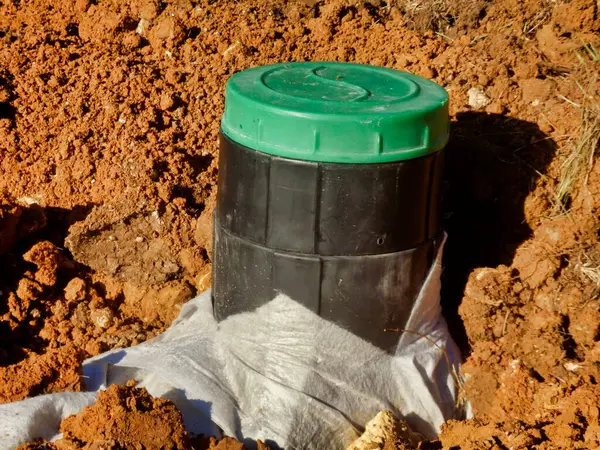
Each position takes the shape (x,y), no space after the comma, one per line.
(329,192)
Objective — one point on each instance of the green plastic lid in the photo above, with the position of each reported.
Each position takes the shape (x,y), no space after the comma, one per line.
(336,112)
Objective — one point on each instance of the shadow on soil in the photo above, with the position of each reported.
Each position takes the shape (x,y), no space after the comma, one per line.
(492,165)
(19,231)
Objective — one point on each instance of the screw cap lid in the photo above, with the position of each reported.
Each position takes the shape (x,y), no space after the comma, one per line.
(336,112)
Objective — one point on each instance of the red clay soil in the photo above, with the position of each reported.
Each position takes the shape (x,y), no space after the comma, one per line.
(109,119)
(125,417)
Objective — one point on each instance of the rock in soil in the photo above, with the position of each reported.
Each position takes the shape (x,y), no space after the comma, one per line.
(386,432)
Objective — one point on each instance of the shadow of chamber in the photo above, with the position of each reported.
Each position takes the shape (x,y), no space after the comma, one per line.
(492,164)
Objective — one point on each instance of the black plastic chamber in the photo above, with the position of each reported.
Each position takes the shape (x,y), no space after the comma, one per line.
(351,242)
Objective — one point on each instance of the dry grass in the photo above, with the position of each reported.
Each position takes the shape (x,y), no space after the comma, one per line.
(580,159)
(575,169)
(591,270)
(542,16)
(591,52)
(426,14)
(588,266)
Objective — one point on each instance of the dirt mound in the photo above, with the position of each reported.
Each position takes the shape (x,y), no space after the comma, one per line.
(125,417)
(109,117)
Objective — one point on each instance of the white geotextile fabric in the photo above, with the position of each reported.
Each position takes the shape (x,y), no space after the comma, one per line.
(280,374)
